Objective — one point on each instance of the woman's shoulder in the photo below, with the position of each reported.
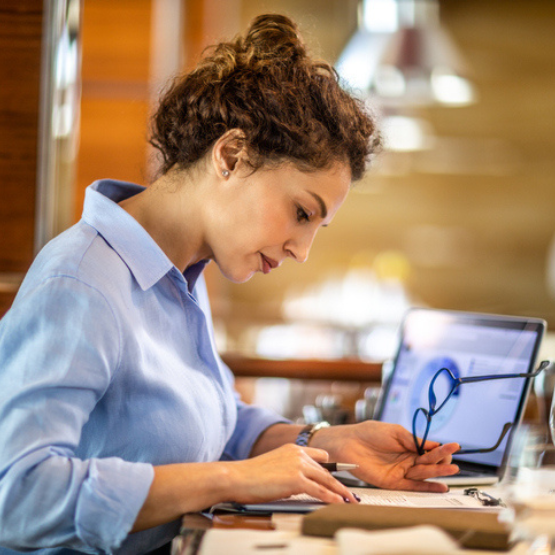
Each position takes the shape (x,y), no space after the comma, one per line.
(79,254)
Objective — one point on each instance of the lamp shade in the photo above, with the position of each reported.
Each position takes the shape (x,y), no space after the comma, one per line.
(421,65)
(402,55)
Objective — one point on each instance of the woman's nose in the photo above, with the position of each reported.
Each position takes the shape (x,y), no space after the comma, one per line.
(299,247)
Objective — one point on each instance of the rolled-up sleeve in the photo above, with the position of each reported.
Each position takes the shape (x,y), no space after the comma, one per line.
(251,422)
(60,346)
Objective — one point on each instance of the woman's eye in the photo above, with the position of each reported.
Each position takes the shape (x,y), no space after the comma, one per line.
(302,216)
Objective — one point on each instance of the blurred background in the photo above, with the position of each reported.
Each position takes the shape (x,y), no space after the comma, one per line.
(463,219)
(457,212)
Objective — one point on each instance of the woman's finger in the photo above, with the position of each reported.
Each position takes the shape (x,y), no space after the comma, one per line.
(318,491)
(425,471)
(417,485)
(439,454)
(325,479)
(319,455)
(406,439)
(302,464)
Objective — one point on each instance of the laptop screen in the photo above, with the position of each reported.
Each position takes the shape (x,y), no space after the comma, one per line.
(469,345)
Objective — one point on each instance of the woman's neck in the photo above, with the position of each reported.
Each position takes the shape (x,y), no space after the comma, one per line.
(171,212)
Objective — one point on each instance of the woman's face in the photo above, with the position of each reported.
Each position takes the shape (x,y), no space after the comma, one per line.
(261,218)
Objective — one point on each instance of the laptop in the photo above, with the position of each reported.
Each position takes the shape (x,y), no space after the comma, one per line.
(467,344)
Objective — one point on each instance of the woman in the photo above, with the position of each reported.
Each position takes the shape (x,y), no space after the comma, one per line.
(117,414)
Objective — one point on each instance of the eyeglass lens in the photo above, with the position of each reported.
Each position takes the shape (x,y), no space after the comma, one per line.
(443,386)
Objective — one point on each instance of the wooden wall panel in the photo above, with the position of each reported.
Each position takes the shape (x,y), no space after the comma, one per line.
(113,143)
(116,40)
(20,58)
(115,93)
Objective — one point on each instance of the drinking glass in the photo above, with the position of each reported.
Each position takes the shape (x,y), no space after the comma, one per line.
(552,411)
(528,488)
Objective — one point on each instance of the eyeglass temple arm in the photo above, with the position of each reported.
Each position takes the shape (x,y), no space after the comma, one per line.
(471,379)
(506,428)
(420,444)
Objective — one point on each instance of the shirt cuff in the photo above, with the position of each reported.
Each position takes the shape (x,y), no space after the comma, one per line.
(110,500)
(251,422)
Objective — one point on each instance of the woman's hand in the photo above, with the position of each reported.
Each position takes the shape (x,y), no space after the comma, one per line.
(183,488)
(285,471)
(387,456)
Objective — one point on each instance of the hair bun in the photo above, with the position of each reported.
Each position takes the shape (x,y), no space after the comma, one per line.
(274,35)
(289,106)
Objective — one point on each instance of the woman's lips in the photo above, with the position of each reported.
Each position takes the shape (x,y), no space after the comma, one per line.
(268,264)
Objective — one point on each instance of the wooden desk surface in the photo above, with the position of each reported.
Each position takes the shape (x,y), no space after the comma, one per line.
(226,520)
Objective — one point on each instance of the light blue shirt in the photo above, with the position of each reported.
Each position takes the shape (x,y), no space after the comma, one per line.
(108,367)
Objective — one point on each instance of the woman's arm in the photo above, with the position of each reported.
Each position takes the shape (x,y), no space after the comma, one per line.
(279,468)
(58,350)
(385,453)
(288,470)
(275,436)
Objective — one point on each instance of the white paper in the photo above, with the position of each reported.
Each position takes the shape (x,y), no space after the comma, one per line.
(302,503)
(394,498)
(243,542)
(450,500)
(417,540)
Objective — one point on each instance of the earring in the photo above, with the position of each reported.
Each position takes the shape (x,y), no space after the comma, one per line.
(225,173)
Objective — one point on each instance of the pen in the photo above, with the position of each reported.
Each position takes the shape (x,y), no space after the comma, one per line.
(334,467)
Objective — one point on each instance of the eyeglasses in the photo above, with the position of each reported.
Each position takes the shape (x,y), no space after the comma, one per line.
(423,417)
(484,497)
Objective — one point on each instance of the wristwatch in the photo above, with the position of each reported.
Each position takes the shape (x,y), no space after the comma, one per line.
(305,435)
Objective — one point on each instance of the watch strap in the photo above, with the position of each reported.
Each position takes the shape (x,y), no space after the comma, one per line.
(305,435)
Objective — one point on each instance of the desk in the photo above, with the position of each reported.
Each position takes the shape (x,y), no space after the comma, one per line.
(282,530)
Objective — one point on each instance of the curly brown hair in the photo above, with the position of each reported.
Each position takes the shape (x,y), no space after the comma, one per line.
(289,106)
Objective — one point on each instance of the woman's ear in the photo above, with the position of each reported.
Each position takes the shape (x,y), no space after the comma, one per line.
(228,151)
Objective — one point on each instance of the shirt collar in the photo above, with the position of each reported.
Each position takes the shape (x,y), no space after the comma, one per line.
(146,260)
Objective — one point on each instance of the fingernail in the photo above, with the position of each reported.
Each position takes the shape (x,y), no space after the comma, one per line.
(356,497)
(346,499)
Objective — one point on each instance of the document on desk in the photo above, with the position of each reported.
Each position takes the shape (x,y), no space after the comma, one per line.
(303,503)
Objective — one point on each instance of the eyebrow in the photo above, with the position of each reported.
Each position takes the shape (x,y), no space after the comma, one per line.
(323,207)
